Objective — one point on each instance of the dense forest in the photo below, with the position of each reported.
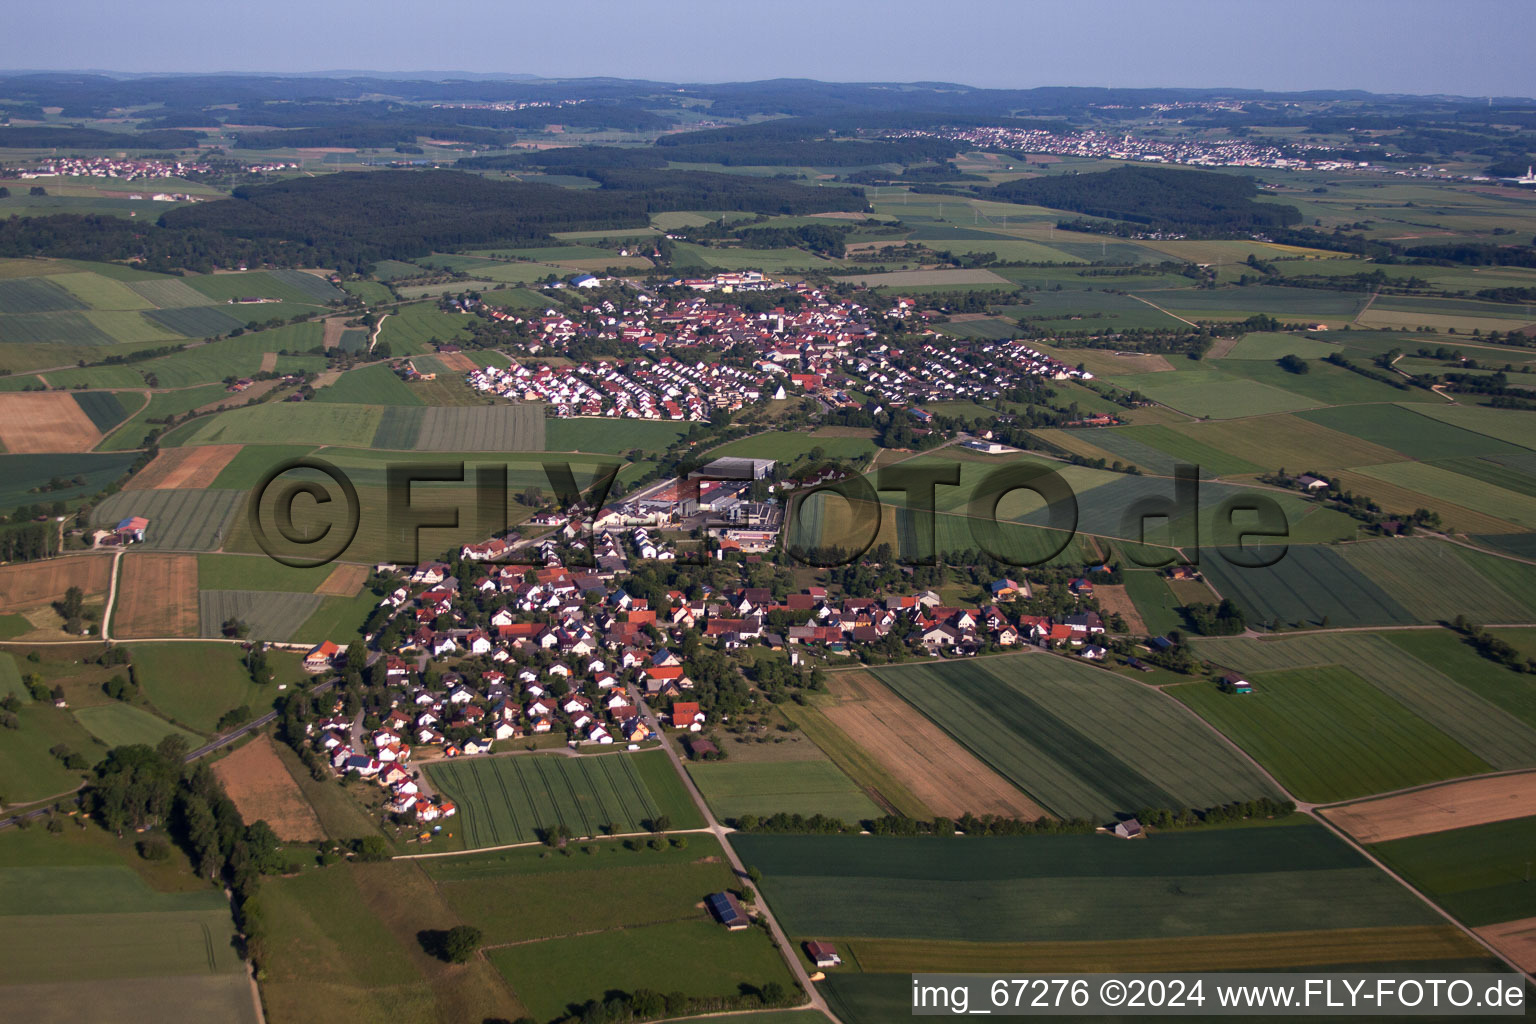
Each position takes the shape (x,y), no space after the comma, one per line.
(352,220)
(1165,199)
(93,138)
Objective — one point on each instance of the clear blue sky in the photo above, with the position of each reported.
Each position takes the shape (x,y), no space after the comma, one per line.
(1466,47)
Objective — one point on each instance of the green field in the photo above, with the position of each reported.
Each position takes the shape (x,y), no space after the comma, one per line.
(1480,874)
(1031,717)
(1208,391)
(1157,448)
(567,929)
(1435,581)
(161,405)
(768,787)
(339,619)
(237,572)
(116,725)
(29,770)
(369,385)
(315,422)
(513,799)
(1271,346)
(496,428)
(1449,654)
(399,428)
(270,614)
(1157,604)
(21,475)
(253,462)
(1068,888)
(558,972)
(787,447)
(1417,434)
(179,520)
(196,683)
(1326,734)
(1466,491)
(586,434)
(1312,586)
(413,328)
(1473,701)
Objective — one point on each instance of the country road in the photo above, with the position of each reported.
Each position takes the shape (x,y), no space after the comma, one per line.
(217,743)
(722,834)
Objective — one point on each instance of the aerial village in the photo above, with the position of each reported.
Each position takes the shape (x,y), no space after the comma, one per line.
(541,641)
(822,349)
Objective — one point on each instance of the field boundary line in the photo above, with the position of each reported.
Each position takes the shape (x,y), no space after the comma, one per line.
(535,842)
(1425,786)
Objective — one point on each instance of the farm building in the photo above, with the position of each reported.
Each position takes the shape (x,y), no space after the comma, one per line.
(1312,483)
(1234,683)
(131,530)
(727,910)
(823,954)
(1130,828)
(319,658)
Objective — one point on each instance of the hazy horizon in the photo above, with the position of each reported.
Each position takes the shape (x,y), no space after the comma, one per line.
(1472,49)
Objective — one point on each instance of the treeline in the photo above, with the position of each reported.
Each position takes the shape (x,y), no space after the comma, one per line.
(150,789)
(27,542)
(31,137)
(368,136)
(826,239)
(661,190)
(824,153)
(1162,199)
(1474,255)
(567,159)
(1000,825)
(352,220)
(1492,647)
(1389,379)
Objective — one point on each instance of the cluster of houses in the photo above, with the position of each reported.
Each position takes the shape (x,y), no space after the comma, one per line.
(826,346)
(1117,145)
(662,390)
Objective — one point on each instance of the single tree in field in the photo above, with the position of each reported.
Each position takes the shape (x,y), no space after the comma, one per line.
(460,943)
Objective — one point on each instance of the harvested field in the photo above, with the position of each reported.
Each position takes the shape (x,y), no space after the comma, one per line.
(942,774)
(334,329)
(268,362)
(33,583)
(255,779)
(45,422)
(344,580)
(1438,809)
(1515,939)
(457,361)
(183,467)
(157,596)
(1258,951)
(1115,599)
